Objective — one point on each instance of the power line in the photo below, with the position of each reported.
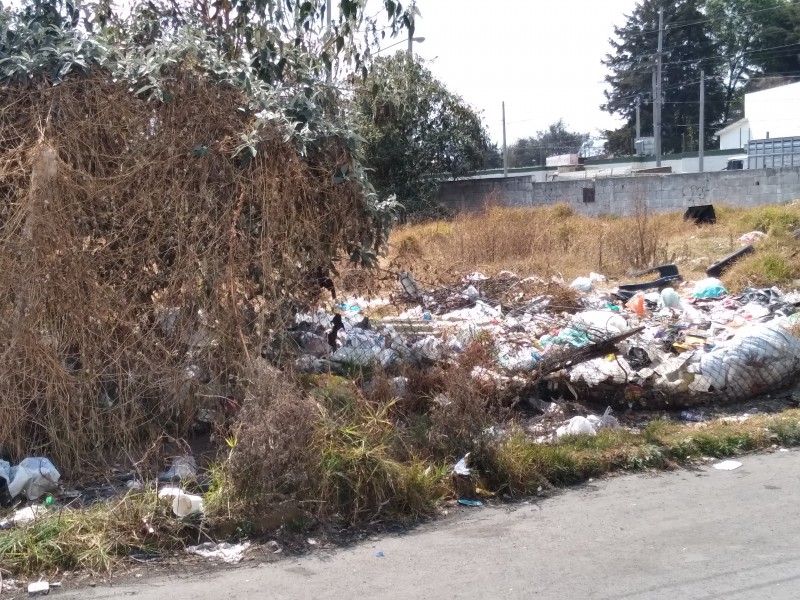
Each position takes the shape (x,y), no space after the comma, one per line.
(684,24)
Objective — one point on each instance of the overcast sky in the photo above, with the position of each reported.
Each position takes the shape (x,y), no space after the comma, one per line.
(541,56)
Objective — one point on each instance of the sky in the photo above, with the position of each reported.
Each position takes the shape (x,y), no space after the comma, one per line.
(542,57)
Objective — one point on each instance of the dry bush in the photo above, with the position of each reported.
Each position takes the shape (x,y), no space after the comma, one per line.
(140,261)
(273,461)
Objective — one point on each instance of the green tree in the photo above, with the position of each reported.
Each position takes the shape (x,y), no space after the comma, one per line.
(778,42)
(745,32)
(493,157)
(556,139)
(415,132)
(688,48)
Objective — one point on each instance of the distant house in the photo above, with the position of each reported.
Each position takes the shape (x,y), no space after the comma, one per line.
(767,114)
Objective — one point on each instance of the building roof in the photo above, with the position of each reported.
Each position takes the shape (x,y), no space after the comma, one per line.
(732,126)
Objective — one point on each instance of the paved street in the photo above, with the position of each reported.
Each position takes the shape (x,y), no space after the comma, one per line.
(687,534)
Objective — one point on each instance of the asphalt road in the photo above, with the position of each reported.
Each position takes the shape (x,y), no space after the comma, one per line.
(680,535)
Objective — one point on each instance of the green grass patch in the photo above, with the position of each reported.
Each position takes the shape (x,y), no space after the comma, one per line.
(95,539)
(366,467)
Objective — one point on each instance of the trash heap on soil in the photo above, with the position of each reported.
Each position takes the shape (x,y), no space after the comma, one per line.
(665,345)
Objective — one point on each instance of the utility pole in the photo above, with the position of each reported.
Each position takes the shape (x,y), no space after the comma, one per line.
(702,136)
(658,85)
(411,37)
(655,111)
(328,17)
(638,117)
(505,149)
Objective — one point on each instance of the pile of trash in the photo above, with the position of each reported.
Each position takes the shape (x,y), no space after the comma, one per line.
(664,343)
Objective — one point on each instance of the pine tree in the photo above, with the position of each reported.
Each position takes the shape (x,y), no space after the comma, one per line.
(688,47)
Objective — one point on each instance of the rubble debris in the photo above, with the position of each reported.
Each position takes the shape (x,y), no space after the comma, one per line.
(227,553)
(664,349)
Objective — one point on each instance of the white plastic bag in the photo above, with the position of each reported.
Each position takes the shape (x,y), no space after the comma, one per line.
(576,426)
(602,320)
(35,477)
(757,359)
(582,284)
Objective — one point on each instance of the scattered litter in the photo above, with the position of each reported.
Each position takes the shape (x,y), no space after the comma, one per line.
(183,504)
(379,554)
(183,467)
(21,517)
(576,426)
(145,556)
(312,542)
(753,236)
(709,288)
(692,417)
(582,284)
(670,298)
(727,465)
(227,553)
(274,547)
(33,477)
(461,467)
(722,265)
(39,588)
(469,502)
(588,425)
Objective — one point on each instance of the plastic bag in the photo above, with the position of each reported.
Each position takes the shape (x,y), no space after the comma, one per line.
(757,359)
(670,298)
(709,288)
(606,321)
(582,284)
(34,477)
(636,304)
(576,426)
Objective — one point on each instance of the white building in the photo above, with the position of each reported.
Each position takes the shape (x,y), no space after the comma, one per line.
(767,114)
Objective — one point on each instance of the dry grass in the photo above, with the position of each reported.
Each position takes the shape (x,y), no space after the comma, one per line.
(141,264)
(554,241)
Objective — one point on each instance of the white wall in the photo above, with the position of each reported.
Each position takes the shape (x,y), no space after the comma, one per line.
(620,169)
(735,138)
(775,112)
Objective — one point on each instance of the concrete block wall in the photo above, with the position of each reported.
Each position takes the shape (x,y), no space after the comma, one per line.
(619,195)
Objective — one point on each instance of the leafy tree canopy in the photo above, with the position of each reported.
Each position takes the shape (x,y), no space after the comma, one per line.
(415,131)
(688,48)
(556,139)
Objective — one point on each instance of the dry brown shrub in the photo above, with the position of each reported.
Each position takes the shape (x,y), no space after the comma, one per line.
(141,264)
(274,461)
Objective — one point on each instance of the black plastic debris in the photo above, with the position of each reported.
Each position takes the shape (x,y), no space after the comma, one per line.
(703,214)
(722,265)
